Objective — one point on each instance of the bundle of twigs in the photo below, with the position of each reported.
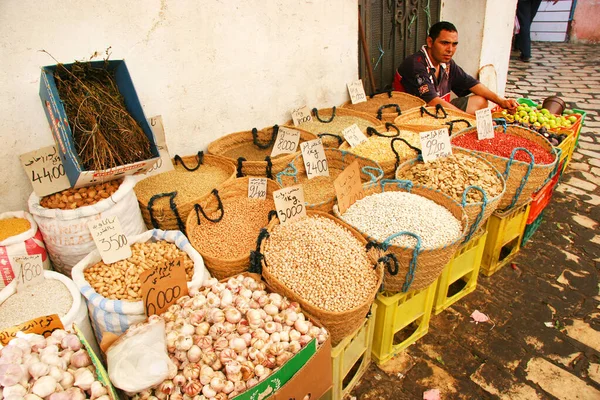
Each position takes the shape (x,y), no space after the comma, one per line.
(105,134)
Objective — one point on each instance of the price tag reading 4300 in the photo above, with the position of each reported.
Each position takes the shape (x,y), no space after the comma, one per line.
(314,158)
(110,240)
(289,203)
(163,285)
(435,144)
(30,270)
(286,142)
(301,115)
(485,127)
(45,170)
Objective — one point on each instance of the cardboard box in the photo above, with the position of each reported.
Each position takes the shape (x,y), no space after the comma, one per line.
(63,136)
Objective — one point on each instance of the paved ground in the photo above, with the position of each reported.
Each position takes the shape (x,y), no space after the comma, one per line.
(554,282)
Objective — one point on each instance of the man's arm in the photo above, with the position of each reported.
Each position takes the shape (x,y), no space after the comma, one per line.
(447,105)
(486,93)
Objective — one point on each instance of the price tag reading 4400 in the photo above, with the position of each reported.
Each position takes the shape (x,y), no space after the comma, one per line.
(45,170)
(289,203)
(31,270)
(257,188)
(286,142)
(357,92)
(435,144)
(353,135)
(348,187)
(163,285)
(301,115)
(110,240)
(485,127)
(314,158)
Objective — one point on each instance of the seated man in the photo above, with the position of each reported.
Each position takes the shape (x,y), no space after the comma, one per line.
(431,74)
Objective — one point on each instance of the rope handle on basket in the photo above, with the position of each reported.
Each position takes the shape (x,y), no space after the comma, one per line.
(419,152)
(240,164)
(373,132)
(438,108)
(269,167)
(500,122)
(451,124)
(400,183)
(269,143)
(412,266)
(371,171)
(383,107)
(389,260)
(198,207)
(256,256)
(338,137)
(272,214)
(172,205)
(484,203)
(316,113)
(199,156)
(525,178)
(290,170)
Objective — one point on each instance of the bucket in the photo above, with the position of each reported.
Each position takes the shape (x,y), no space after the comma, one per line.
(554,104)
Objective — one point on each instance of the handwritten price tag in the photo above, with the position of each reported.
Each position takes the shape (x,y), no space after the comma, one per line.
(354,135)
(257,188)
(110,240)
(435,144)
(314,158)
(164,163)
(31,270)
(289,203)
(301,115)
(41,325)
(286,142)
(357,92)
(348,187)
(45,170)
(163,285)
(485,127)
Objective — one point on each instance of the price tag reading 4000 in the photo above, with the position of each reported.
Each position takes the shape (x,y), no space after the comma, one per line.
(46,171)
(289,203)
(485,127)
(31,270)
(163,285)
(301,115)
(286,142)
(435,144)
(314,158)
(110,240)
(357,92)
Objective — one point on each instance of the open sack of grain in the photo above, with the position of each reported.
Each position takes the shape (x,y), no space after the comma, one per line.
(387,106)
(430,118)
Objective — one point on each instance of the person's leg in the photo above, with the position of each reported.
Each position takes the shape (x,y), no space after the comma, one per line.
(524,8)
(470,103)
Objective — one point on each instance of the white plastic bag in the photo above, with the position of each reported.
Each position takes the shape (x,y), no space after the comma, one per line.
(24,244)
(66,233)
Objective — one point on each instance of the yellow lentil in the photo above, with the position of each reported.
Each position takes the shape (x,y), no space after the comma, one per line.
(12,227)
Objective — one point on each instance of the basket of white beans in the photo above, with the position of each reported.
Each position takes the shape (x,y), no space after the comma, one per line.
(421,227)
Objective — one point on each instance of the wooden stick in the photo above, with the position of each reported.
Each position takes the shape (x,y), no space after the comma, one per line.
(363,42)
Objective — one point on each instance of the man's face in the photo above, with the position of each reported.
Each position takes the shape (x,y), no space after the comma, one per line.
(444,46)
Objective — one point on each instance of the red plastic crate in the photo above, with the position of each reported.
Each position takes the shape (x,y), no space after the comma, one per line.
(541,199)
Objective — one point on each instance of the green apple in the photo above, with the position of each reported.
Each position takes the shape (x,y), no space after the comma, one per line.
(573,119)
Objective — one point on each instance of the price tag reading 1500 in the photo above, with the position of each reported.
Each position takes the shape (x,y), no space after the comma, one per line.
(314,158)
(435,144)
(110,240)
(289,203)
(163,285)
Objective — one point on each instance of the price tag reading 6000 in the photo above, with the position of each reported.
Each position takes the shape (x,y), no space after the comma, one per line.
(314,158)
(163,285)
(435,144)
(289,203)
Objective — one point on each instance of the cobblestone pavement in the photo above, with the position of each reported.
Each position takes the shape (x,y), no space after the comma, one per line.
(545,341)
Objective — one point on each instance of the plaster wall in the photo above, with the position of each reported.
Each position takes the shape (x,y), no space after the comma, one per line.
(584,28)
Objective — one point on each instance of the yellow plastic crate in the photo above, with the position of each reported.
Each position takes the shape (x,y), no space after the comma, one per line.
(505,233)
(567,146)
(395,312)
(351,358)
(464,266)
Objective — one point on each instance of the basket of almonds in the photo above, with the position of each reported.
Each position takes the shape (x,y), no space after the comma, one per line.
(429,118)
(387,106)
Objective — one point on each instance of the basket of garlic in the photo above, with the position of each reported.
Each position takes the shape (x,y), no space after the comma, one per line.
(57,367)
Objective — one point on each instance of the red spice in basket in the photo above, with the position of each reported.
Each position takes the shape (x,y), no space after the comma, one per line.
(503,144)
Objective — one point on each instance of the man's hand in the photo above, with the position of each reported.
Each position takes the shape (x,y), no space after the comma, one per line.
(509,104)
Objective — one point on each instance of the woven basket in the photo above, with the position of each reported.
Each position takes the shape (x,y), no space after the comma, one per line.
(323,120)
(519,185)
(387,106)
(477,213)
(429,262)
(339,324)
(251,150)
(215,206)
(321,188)
(388,157)
(429,118)
(165,210)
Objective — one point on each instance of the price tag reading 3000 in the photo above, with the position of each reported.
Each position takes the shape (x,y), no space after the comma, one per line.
(435,144)
(110,240)
(289,203)
(314,158)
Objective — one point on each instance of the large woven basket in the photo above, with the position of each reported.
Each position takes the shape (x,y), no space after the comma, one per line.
(428,262)
(166,210)
(429,118)
(251,150)
(215,206)
(477,212)
(328,123)
(339,324)
(387,106)
(522,178)
(385,143)
(319,192)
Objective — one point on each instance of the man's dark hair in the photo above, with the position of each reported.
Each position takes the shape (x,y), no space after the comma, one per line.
(438,27)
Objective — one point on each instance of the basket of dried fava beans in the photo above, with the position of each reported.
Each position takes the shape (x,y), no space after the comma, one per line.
(251,151)
(167,199)
(466,177)
(319,192)
(421,227)
(388,146)
(387,106)
(325,266)
(524,158)
(328,124)
(429,118)
(224,226)
(113,292)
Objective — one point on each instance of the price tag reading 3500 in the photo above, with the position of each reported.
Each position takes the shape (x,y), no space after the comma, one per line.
(30,270)
(301,115)
(110,240)
(46,171)
(289,203)
(314,158)
(286,142)
(163,285)
(435,144)
(357,92)
(485,127)
(257,188)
